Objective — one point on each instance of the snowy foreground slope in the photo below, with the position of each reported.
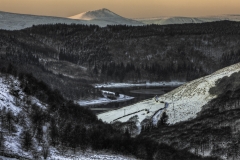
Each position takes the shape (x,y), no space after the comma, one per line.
(12,142)
(187,99)
(13,21)
(9,102)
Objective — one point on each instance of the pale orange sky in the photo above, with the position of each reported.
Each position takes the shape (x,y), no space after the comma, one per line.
(126,8)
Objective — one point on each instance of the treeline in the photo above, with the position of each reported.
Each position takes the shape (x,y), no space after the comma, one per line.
(62,29)
(121,72)
(229,58)
(118,72)
(219,27)
(182,71)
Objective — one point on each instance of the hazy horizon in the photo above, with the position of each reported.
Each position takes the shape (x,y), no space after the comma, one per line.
(125,8)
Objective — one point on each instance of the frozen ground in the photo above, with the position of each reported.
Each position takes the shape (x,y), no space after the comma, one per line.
(105,99)
(124,85)
(184,102)
(89,155)
(6,158)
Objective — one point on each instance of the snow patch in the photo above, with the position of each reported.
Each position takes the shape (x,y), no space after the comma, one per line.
(149,84)
(14,21)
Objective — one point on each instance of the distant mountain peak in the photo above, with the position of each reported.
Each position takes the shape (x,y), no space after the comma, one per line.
(100,10)
(105,9)
(103,13)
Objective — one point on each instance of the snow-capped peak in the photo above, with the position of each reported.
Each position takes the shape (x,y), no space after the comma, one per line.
(96,14)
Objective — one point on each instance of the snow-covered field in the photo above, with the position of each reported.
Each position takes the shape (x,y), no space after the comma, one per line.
(184,102)
(143,109)
(105,99)
(149,84)
(89,155)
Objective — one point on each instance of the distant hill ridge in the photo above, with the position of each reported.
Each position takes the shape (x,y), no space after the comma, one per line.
(182,20)
(101,17)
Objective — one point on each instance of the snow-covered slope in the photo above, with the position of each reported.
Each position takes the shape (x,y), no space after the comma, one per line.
(182,20)
(8,102)
(105,16)
(13,21)
(9,86)
(170,20)
(187,99)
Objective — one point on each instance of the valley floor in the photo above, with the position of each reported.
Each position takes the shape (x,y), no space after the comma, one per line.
(105,99)
(148,84)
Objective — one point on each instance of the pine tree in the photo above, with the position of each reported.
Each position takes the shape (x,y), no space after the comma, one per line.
(39,135)
(75,137)
(54,135)
(10,122)
(26,140)
(163,120)
(45,150)
(84,139)
(2,140)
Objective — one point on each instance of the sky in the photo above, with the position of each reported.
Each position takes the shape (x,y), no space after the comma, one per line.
(125,8)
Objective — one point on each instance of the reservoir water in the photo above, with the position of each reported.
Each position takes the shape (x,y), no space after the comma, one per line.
(139,94)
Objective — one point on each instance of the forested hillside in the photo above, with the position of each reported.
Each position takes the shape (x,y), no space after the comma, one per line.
(80,54)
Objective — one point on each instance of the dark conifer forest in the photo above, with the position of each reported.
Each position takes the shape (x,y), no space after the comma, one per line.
(78,55)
